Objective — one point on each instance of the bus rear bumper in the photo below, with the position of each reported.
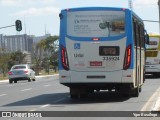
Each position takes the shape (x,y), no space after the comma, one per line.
(96,77)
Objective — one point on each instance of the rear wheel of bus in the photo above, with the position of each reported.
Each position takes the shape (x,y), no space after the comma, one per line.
(136,92)
(157,75)
(78,92)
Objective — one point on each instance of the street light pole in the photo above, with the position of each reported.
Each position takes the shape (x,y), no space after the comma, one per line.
(130,4)
(159,13)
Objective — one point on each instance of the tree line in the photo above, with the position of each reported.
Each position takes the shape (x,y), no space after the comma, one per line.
(44,55)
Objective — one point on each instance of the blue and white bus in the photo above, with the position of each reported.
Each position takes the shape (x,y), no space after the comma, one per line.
(101,48)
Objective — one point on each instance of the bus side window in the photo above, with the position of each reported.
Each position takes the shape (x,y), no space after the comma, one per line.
(136,34)
(134,29)
(142,36)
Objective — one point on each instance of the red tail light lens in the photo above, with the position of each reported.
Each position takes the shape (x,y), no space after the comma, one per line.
(95,39)
(64,58)
(26,71)
(127,58)
(10,73)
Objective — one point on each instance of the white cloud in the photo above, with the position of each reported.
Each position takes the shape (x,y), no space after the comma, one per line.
(37,11)
(144,2)
(24,2)
(10,2)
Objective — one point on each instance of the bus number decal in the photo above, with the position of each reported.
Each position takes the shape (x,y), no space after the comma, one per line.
(111,58)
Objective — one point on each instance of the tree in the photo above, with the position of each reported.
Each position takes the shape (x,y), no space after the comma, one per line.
(44,51)
(37,56)
(5,57)
(16,58)
(51,48)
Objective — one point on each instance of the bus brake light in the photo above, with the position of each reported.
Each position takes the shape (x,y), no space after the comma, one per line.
(127,58)
(95,39)
(64,58)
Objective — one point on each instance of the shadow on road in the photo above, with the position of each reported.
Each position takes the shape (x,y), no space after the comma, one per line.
(151,77)
(64,99)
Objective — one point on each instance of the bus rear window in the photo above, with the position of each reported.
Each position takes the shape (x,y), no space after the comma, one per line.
(95,23)
(109,50)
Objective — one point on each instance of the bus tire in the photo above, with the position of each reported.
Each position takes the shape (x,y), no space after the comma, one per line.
(157,75)
(83,95)
(136,92)
(126,95)
(75,96)
(140,89)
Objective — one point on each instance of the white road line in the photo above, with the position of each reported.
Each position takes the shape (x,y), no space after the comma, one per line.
(46,105)
(43,106)
(157,103)
(3,95)
(47,85)
(26,89)
(151,99)
(59,100)
(33,110)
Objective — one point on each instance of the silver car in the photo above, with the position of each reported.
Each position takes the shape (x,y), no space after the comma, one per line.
(21,72)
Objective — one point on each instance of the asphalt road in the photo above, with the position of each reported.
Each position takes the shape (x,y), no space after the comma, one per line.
(46,94)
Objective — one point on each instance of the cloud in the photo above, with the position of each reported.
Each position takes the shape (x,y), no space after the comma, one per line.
(38,11)
(10,2)
(144,2)
(24,2)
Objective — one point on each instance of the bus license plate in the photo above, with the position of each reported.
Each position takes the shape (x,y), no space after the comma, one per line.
(95,63)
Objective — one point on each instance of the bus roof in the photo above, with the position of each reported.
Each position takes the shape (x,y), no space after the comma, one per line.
(103,8)
(94,8)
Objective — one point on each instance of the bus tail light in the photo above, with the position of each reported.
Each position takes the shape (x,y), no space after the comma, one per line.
(127,58)
(64,58)
(95,39)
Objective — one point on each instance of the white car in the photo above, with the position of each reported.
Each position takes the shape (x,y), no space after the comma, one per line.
(21,72)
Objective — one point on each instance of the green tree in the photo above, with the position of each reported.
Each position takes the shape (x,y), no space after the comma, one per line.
(4,58)
(16,58)
(44,51)
(38,55)
(51,50)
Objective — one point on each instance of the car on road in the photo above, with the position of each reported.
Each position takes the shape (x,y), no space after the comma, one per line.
(21,72)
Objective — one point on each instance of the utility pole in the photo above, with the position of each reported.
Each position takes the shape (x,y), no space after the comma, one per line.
(130,4)
(159,13)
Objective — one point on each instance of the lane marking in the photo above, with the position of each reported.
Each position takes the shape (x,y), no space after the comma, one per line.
(3,95)
(47,105)
(60,100)
(43,106)
(151,99)
(33,110)
(26,89)
(157,103)
(47,85)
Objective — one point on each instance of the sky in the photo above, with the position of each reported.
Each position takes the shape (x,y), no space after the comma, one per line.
(42,16)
